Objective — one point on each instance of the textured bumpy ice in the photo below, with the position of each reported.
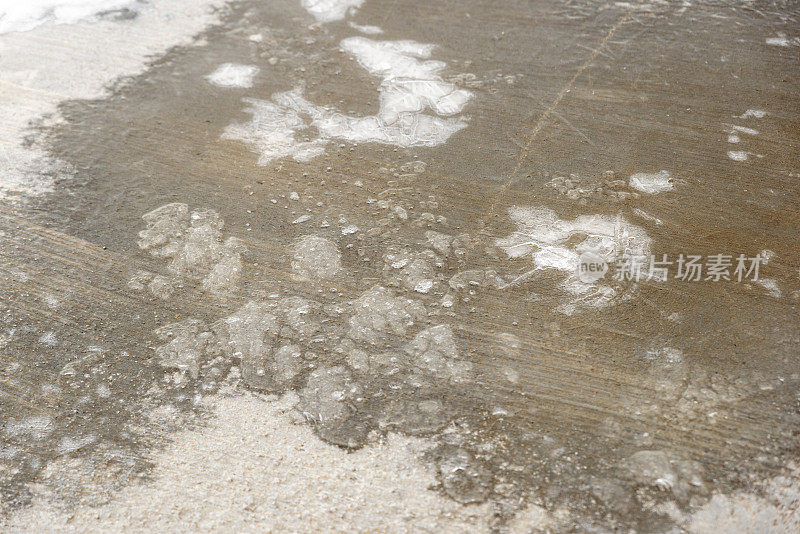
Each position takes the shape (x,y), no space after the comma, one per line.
(547,240)
(330,10)
(651,183)
(233,75)
(417,108)
(434,351)
(378,313)
(316,257)
(193,243)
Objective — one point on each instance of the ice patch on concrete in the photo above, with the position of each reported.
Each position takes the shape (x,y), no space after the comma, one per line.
(546,239)
(781,40)
(378,313)
(366,29)
(651,183)
(771,286)
(233,75)
(417,108)
(316,257)
(272,133)
(194,245)
(330,10)
(753,113)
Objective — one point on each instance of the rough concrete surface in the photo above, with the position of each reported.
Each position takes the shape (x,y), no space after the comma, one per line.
(360,265)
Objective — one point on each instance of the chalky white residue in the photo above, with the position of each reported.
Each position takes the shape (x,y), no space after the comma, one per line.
(738,155)
(781,40)
(272,133)
(330,10)
(369,30)
(411,88)
(233,75)
(771,286)
(651,183)
(754,113)
(544,237)
(23,16)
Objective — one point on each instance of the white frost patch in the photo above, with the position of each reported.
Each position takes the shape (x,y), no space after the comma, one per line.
(738,155)
(546,239)
(368,30)
(781,40)
(651,183)
(233,75)
(770,285)
(21,16)
(775,509)
(417,107)
(754,113)
(35,75)
(330,10)
(48,338)
(272,133)
(272,476)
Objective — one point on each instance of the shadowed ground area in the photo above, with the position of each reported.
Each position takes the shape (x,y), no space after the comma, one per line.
(320,269)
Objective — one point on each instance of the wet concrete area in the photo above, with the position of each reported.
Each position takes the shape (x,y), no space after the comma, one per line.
(414,283)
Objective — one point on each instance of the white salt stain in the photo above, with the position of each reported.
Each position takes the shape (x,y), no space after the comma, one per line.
(24,16)
(781,40)
(49,339)
(233,75)
(330,10)
(651,183)
(753,113)
(368,30)
(417,108)
(272,133)
(738,155)
(771,286)
(547,240)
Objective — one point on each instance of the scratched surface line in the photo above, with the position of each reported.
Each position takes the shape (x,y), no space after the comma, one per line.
(537,127)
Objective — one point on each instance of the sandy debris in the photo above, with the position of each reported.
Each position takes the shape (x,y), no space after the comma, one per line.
(253,470)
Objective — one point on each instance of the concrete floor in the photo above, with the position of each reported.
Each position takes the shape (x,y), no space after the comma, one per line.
(331,286)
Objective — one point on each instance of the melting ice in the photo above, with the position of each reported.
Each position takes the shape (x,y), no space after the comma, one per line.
(417,108)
